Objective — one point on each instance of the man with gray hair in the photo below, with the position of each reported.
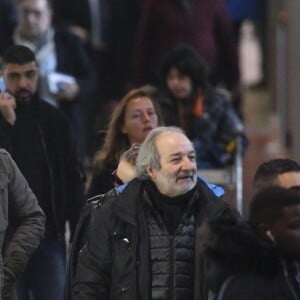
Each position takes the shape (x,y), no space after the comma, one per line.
(142,242)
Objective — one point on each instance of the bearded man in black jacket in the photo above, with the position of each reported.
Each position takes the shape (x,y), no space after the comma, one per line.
(142,241)
(38,137)
(67,77)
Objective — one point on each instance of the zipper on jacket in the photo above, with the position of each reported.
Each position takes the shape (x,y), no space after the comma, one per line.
(172,268)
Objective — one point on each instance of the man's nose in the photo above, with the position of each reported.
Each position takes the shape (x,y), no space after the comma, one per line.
(186,163)
(23,81)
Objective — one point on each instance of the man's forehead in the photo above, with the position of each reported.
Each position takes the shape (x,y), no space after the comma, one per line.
(172,143)
(289,179)
(36,5)
(20,68)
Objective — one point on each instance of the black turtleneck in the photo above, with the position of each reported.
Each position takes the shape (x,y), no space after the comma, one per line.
(170,208)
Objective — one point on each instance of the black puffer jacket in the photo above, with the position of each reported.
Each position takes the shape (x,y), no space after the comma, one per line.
(245,265)
(171,249)
(114,263)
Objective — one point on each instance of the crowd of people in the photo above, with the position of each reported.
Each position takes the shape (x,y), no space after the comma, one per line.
(163,78)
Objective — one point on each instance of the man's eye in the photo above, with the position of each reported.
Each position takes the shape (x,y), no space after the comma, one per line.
(31,74)
(175,160)
(13,76)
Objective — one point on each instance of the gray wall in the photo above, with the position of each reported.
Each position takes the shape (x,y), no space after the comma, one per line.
(284,70)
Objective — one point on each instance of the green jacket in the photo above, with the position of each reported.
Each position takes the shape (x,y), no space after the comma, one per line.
(22,224)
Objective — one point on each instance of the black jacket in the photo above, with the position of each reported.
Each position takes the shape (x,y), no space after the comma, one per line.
(60,154)
(114,263)
(102,181)
(245,265)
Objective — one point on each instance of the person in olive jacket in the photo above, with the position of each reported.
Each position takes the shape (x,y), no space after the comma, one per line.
(142,242)
(20,212)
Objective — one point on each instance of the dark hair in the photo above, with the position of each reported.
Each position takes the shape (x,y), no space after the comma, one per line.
(267,172)
(267,205)
(19,55)
(188,62)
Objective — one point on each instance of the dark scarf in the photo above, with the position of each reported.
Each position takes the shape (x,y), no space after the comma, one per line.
(170,209)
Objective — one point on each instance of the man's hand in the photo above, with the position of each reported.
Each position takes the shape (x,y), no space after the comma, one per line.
(68,92)
(7,107)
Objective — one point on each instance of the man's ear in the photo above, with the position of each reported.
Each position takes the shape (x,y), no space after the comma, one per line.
(265,231)
(151,172)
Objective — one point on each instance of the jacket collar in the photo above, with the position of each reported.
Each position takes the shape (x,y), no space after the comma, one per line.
(131,199)
(126,205)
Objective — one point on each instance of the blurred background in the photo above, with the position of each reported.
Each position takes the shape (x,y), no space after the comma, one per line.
(267,33)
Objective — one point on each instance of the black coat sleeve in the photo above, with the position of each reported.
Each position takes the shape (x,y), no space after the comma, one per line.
(93,271)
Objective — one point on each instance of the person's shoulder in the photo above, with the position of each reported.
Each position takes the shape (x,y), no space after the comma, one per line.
(5,158)
(52,112)
(209,189)
(217,190)
(252,286)
(221,95)
(98,202)
(211,199)
(46,106)
(3,152)
(65,36)
(100,209)
(132,187)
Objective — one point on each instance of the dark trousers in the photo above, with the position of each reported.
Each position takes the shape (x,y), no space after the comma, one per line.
(44,277)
